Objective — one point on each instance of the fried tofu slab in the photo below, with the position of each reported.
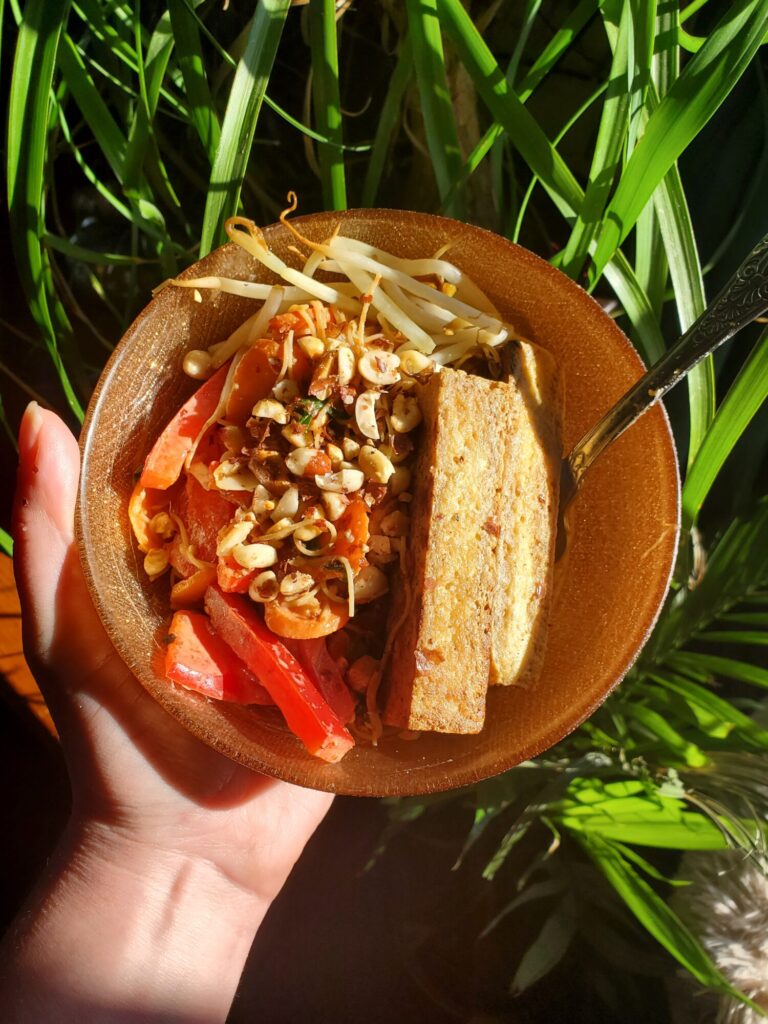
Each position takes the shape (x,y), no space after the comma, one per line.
(471,604)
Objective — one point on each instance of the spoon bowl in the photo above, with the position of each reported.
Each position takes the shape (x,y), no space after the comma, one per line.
(609,587)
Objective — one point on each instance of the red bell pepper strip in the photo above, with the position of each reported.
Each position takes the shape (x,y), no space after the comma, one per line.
(305,711)
(169,451)
(254,378)
(325,674)
(199,660)
(203,513)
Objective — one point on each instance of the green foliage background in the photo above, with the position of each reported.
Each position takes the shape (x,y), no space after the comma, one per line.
(580,129)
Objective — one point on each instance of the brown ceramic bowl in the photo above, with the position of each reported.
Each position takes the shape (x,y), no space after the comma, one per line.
(610,588)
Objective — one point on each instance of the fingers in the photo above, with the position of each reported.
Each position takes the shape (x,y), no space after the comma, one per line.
(43,519)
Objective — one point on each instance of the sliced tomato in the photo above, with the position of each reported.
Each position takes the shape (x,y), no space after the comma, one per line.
(254,378)
(144,504)
(307,714)
(188,593)
(169,451)
(353,531)
(233,578)
(198,659)
(203,513)
(285,620)
(325,674)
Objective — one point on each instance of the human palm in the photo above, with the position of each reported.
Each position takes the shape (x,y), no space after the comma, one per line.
(135,772)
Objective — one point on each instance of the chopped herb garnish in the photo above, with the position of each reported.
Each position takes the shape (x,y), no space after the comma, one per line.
(310,407)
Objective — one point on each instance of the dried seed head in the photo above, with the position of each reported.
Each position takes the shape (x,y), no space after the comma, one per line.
(370,583)
(231,536)
(379,367)
(296,583)
(197,364)
(270,409)
(375,464)
(155,562)
(342,482)
(365,414)
(254,556)
(406,414)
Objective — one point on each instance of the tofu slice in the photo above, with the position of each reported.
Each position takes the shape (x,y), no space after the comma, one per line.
(527,515)
(443,602)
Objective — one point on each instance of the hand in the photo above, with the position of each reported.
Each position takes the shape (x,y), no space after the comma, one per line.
(145,792)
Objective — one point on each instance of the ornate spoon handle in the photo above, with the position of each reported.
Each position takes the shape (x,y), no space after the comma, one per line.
(741,300)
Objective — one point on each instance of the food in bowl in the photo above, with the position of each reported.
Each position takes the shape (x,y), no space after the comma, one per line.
(357,506)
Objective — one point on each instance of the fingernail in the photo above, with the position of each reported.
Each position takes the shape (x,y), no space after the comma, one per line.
(29,431)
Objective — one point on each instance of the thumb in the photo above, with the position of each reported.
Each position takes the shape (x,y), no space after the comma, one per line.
(43,521)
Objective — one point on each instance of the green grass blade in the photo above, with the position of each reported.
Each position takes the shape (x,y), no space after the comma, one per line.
(715,667)
(688,287)
(90,104)
(28,118)
(654,915)
(436,103)
(524,131)
(189,56)
(646,333)
(705,82)
(735,636)
(744,398)
(609,148)
(239,124)
(6,543)
(389,118)
(323,40)
(84,255)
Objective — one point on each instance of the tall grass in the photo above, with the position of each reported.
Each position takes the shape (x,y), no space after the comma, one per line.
(560,125)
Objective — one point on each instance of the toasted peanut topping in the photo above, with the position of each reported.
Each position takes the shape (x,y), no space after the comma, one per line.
(262,500)
(307,532)
(231,475)
(396,524)
(296,583)
(343,482)
(264,588)
(401,481)
(288,505)
(365,414)
(313,346)
(286,390)
(231,536)
(334,504)
(163,525)
(413,362)
(380,550)
(296,435)
(346,364)
(270,409)
(298,460)
(350,447)
(155,562)
(379,367)
(375,464)
(335,454)
(254,556)
(197,364)
(406,414)
(233,438)
(370,583)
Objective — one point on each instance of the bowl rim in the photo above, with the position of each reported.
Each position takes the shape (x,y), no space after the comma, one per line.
(548,737)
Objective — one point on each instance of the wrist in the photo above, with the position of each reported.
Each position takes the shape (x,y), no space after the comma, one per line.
(153,931)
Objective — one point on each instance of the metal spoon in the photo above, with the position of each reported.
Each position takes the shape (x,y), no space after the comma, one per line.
(743,298)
